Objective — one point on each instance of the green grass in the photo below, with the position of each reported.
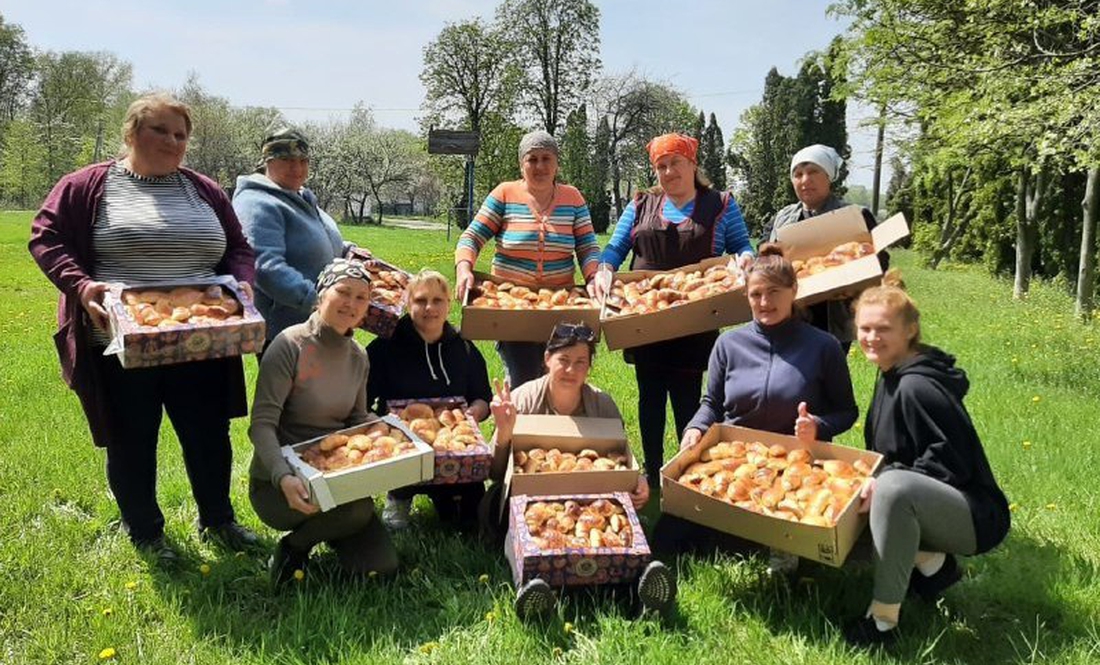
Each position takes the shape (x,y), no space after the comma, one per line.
(71,585)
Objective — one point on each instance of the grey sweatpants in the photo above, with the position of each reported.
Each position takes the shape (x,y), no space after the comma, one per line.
(352,530)
(912,512)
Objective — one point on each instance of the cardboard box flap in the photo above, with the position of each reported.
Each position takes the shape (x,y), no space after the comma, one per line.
(889,232)
(550,428)
(819,235)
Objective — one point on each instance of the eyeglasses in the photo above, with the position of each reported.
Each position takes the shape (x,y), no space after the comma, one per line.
(577,331)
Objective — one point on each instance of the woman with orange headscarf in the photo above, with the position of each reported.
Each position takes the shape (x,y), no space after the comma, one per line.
(681,221)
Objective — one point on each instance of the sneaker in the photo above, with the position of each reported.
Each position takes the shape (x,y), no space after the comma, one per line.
(159,551)
(395,514)
(285,564)
(864,632)
(782,563)
(534,599)
(657,587)
(230,535)
(929,588)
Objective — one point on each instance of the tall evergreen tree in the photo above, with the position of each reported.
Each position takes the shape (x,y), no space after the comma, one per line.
(599,202)
(576,151)
(713,158)
(700,127)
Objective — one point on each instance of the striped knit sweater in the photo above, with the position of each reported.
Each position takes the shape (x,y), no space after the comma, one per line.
(533,248)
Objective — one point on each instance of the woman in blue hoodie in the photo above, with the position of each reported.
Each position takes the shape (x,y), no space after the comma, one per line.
(426,357)
(778,373)
(294,239)
(935,496)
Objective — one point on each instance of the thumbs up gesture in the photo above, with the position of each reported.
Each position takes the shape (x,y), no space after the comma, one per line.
(805,426)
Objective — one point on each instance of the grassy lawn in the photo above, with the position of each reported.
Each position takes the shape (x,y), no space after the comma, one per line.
(71,585)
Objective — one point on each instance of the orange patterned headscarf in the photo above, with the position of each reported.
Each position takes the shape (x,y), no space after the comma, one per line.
(672,144)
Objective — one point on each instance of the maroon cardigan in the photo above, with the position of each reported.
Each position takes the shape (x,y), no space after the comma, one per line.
(61,244)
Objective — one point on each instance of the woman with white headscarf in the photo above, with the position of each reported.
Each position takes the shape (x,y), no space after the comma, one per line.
(813,171)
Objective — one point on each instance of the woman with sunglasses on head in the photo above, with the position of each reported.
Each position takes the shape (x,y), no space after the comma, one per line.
(682,221)
(777,374)
(427,357)
(313,381)
(565,391)
(935,496)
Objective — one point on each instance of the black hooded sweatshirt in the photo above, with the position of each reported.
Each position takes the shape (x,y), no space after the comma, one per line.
(918,422)
(406,367)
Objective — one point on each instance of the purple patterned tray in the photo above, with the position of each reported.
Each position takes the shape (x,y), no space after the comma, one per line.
(381,317)
(575,566)
(452,467)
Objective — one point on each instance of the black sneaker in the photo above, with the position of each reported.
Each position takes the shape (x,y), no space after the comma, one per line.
(286,564)
(534,599)
(230,535)
(930,588)
(159,551)
(863,632)
(657,587)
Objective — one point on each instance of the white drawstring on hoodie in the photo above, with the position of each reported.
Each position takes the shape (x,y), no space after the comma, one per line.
(442,367)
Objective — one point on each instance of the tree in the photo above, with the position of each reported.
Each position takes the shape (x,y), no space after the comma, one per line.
(557,43)
(599,206)
(468,73)
(16,69)
(1090,214)
(713,154)
(700,127)
(576,151)
(22,158)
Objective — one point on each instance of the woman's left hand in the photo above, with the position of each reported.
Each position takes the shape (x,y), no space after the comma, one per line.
(865,494)
(640,496)
(744,260)
(478,410)
(805,426)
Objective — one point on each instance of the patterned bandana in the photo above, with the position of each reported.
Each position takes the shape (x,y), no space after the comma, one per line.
(672,144)
(284,144)
(341,269)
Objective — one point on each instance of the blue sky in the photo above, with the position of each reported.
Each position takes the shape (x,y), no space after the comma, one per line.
(316,59)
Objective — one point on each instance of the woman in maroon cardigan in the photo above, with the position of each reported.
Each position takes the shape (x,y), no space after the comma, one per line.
(146,218)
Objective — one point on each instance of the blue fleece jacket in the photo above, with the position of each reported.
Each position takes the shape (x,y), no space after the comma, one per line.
(294,239)
(758,374)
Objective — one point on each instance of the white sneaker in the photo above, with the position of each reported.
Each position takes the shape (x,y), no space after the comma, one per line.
(782,563)
(396,513)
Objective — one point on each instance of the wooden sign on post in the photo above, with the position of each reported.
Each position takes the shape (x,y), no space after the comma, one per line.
(448,142)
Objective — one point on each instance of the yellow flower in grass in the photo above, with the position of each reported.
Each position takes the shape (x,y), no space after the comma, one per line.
(131,585)
(204,569)
(567,627)
(483,578)
(490,616)
(556,652)
(299,574)
(107,612)
(1027,445)
(107,653)
(1015,360)
(372,574)
(428,647)
(1052,506)
(1013,507)
(1035,399)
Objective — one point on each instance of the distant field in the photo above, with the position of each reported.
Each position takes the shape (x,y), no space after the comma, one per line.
(71,585)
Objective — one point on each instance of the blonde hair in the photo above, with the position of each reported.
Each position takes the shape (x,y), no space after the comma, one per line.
(142,107)
(892,295)
(427,277)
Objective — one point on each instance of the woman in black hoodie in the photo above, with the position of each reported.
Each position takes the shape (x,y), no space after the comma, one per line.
(935,496)
(425,358)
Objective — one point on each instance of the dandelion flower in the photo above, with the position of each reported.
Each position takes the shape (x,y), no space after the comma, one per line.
(299,574)
(107,612)
(204,569)
(483,578)
(1027,445)
(372,574)
(490,616)
(568,628)
(1013,507)
(131,585)
(1035,399)
(1051,506)
(428,647)
(107,653)
(556,652)
(1015,360)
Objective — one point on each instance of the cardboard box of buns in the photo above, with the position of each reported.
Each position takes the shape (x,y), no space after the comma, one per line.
(181,321)
(503,310)
(772,489)
(834,253)
(461,453)
(569,455)
(361,461)
(647,306)
(388,284)
(574,540)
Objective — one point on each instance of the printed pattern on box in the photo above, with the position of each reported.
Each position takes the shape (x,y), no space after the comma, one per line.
(382,316)
(143,346)
(576,566)
(453,466)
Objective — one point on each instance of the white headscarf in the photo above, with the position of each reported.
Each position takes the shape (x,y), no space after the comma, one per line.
(821,155)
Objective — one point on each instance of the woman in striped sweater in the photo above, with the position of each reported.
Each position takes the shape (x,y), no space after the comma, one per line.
(539,224)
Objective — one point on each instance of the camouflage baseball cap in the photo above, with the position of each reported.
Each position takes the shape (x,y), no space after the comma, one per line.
(284,144)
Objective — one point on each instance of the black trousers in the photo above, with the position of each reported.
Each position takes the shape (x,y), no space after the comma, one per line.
(195,396)
(656,386)
(457,503)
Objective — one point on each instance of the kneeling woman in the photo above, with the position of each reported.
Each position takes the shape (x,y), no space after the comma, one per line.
(564,391)
(425,358)
(312,381)
(937,497)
